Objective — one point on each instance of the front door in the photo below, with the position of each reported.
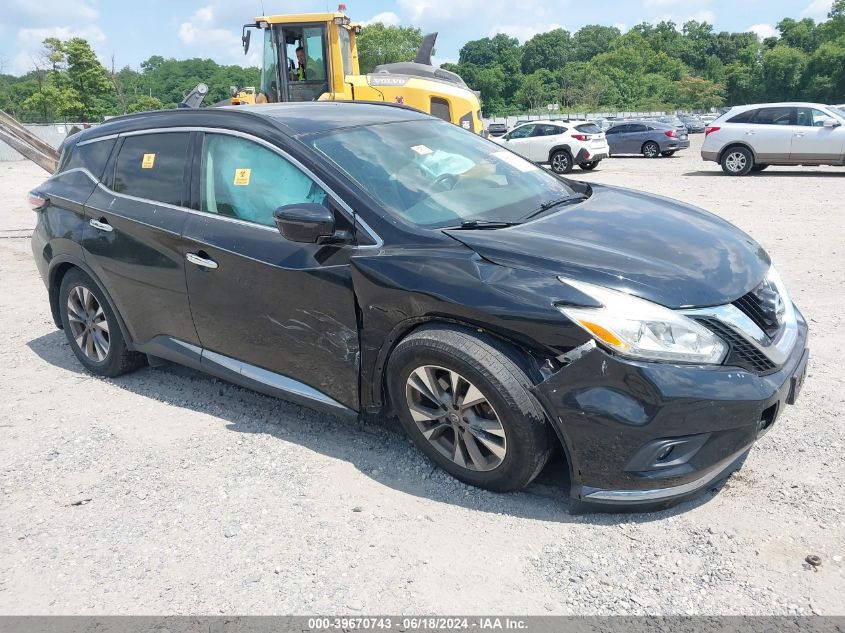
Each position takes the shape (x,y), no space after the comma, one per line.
(813,142)
(519,140)
(132,235)
(279,306)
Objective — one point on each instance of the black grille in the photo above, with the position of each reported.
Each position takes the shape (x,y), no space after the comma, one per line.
(742,353)
(761,306)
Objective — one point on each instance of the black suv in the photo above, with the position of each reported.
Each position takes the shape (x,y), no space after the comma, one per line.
(371,260)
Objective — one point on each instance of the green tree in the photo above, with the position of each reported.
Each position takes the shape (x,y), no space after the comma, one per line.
(87,77)
(379,44)
(782,72)
(144,104)
(592,40)
(549,51)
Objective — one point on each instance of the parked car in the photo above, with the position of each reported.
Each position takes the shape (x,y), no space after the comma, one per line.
(707,119)
(674,121)
(649,138)
(497,129)
(752,137)
(371,260)
(560,144)
(693,124)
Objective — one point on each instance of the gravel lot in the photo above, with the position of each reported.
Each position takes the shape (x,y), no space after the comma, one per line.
(169,492)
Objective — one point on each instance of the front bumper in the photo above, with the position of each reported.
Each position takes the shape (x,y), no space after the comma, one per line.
(647,435)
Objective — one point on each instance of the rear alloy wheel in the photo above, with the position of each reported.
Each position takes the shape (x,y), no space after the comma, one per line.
(589,166)
(651,150)
(561,162)
(468,407)
(737,161)
(92,329)
(668,154)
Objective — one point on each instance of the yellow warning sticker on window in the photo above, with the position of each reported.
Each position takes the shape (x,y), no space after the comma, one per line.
(148,161)
(242,176)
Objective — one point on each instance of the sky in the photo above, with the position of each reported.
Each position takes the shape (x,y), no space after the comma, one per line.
(130,32)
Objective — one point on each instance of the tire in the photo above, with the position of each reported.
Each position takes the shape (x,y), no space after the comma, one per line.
(759,167)
(517,446)
(651,149)
(589,166)
(668,154)
(92,329)
(737,161)
(561,162)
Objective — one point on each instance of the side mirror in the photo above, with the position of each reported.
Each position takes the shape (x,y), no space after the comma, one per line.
(307,223)
(246,36)
(831,122)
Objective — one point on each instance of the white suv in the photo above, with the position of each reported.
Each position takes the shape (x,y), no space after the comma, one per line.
(752,137)
(561,144)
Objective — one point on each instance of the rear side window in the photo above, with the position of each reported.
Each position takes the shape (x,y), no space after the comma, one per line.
(440,108)
(774,116)
(152,166)
(90,156)
(743,117)
(547,130)
(637,127)
(244,180)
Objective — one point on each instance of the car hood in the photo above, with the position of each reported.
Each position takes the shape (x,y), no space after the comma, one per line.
(656,248)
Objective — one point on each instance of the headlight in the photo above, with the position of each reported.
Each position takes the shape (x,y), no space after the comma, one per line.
(641,329)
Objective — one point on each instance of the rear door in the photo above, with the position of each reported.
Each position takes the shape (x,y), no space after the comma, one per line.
(544,137)
(616,138)
(813,142)
(132,235)
(284,309)
(770,133)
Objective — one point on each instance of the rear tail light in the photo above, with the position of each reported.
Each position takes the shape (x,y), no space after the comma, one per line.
(710,129)
(37,201)
(670,133)
(586,154)
(582,137)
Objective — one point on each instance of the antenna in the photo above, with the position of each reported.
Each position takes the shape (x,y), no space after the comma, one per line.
(262,7)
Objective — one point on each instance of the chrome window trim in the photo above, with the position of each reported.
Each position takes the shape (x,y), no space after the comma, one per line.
(352,216)
(97,140)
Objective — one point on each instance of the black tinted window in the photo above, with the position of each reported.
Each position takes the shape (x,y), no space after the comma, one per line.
(588,128)
(152,166)
(547,130)
(637,127)
(743,117)
(619,129)
(440,109)
(774,116)
(91,156)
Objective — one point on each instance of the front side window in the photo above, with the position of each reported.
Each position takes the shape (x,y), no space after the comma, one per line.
(522,132)
(244,180)
(435,175)
(774,116)
(269,69)
(152,166)
(345,50)
(810,117)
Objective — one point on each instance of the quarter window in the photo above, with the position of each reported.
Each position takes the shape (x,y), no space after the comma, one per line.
(242,179)
(152,166)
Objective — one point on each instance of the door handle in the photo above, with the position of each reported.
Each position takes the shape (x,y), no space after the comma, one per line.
(799,134)
(749,133)
(101,225)
(202,262)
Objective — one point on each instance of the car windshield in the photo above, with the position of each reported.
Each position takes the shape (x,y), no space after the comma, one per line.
(839,111)
(436,175)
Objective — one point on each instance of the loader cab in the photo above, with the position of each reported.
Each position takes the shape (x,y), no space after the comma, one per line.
(305,57)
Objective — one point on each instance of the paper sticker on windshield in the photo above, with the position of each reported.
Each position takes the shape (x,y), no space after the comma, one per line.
(242,176)
(515,161)
(148,161)
(422,150)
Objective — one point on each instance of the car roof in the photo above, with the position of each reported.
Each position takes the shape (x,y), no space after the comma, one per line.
(786,104)
(294,119)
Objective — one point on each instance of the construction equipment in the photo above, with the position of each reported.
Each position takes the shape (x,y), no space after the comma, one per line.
(26,143)
(314,57)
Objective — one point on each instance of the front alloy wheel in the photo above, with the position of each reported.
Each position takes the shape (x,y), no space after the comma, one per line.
(456,418)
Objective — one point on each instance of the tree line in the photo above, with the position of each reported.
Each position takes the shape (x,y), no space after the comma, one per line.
(597,68)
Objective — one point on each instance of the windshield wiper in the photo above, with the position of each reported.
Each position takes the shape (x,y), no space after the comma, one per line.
(482,224)
(546,206)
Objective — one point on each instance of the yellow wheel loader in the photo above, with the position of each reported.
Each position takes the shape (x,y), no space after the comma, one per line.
(314,57)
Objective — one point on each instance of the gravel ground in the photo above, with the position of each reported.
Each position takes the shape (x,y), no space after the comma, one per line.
(169,492)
